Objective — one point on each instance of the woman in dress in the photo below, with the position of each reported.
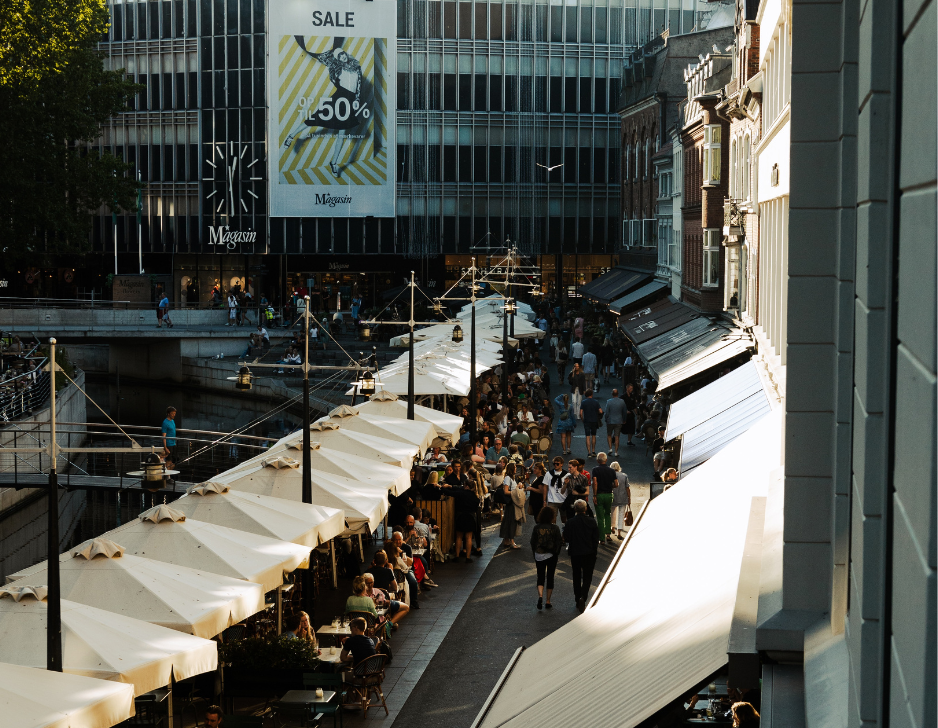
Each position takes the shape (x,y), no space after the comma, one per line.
(565,422)
(466,505)
(340,115)
(509,526)
(547,542)
(562,356)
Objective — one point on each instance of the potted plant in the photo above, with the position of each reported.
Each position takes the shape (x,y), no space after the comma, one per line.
(258,666)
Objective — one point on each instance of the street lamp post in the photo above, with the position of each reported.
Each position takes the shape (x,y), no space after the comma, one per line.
(410,355)
(54,599)
(473,393)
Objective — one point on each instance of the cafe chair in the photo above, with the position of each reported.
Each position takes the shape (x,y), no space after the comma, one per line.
(326,681)
(366,680)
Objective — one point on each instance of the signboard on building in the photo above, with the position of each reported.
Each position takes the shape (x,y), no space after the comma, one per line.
(136,289)
(332,97)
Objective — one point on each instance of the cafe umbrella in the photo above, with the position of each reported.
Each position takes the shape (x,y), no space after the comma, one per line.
(388,404)
(34,698)
(98,643)
(299,523)
(164,533)
(99,574)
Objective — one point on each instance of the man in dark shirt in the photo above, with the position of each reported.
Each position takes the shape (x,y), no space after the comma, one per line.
(658,445)
(357,647)
(604,480)
(456,479)
(590,412)
(582,536)
(384,576)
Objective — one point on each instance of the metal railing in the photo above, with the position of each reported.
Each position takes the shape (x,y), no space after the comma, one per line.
(24,393)
(201,453)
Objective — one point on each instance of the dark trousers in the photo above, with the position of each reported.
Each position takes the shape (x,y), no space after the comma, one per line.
(545,572)
(582,575)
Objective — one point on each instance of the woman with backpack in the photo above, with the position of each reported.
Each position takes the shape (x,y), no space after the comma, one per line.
(566,423)
(547,542)
(509,526)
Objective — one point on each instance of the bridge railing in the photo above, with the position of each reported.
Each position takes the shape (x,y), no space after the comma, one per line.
(201,453)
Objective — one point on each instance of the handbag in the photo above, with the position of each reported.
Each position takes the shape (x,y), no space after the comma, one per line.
(629,518)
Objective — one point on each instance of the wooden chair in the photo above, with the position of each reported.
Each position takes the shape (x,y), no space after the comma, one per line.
(366,680)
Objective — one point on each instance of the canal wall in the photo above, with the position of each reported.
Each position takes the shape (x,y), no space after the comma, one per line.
(23,513)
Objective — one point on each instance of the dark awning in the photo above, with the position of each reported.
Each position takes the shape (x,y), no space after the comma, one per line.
(710,348)
(637,297)
(656,320)
(614,284)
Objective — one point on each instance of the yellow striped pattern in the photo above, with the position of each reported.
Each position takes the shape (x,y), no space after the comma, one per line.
(306,161)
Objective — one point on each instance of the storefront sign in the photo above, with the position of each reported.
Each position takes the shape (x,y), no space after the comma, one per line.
(225,240)
(338,266)
(332,80)
(131,288)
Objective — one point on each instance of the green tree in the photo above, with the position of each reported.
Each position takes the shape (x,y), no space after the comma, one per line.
(56,93)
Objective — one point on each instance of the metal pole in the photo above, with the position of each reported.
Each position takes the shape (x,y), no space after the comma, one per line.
(473,393)
(54,610)
(140,231)
(410,355)
(505,357)
(511,330)
(307,459)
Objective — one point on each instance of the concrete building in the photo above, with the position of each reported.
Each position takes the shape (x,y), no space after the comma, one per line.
(845,318)
(489,94)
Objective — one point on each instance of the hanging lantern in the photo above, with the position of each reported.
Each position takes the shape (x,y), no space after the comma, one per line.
(457,334)
(244,379)
(367,387)
(437,306)
(366,332)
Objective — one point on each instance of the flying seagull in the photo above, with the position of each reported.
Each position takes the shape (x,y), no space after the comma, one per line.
(549,168)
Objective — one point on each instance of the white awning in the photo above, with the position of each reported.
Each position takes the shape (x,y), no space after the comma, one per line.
(715,415)
(34,698)
(654,630)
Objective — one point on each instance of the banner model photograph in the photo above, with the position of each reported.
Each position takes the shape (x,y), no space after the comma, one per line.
(332,97)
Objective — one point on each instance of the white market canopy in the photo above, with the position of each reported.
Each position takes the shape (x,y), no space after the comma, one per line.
(389,404)
(164,533)
(650,633)
(524,329)
(324,459)
(497,303)
(419,434)
(299,523)
(363,502)
(99,574)
(333,435)
(37,698)
(445,332)
(428,381)
(99,643)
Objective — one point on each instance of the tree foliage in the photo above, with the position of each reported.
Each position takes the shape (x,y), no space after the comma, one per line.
(56,93)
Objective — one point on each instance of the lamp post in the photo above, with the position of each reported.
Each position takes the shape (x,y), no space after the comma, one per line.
(473,392)
(410,355)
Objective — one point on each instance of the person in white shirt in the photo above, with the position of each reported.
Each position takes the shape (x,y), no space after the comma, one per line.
(555,496)
(589,368)
(576,351)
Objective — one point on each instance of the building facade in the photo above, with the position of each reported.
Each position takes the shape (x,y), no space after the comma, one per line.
(489,95)
(705,185)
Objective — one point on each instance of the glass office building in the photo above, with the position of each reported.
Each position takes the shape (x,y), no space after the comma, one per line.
(505,129)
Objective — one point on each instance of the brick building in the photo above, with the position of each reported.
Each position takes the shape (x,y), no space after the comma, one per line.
(653,86)
(705,187)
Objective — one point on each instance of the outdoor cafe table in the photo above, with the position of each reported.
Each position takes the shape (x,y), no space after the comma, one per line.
(336,632)
(307,696)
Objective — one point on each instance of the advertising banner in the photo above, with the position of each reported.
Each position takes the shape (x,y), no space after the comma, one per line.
(332,95)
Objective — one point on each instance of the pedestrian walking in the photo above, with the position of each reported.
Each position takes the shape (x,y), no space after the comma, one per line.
(232,309)
(509,527)
(562,356)
(577,381)
(547,541)
(621,503)
(581,535)
(604,484)
(537,489)
(162,312)
(169,438)
(565,422)
(615,412)
(590,412)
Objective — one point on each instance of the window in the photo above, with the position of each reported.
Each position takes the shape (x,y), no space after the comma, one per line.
(674,254)
(711,154)
(628,151)
(734,170)
(711,257)
(647,155)
(745,193)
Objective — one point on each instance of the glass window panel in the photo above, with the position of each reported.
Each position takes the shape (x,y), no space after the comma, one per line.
(541,23)
(600,14)
(556,23)
(495,21)
(586,25)
(481,21)
(449,19)
(511,19)
(571,14)
(465,20)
